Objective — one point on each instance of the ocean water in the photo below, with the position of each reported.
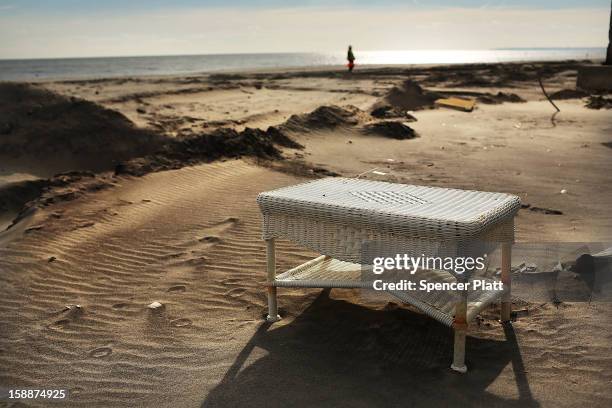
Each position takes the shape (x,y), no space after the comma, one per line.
(88,68)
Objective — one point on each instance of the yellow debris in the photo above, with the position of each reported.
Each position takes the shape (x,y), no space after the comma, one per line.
(466,105)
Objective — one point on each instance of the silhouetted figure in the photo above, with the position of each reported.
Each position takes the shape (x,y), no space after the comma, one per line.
(351,59)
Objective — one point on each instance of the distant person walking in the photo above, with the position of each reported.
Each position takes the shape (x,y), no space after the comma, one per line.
(351,59)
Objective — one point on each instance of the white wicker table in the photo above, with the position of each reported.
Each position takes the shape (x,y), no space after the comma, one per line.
(336,217)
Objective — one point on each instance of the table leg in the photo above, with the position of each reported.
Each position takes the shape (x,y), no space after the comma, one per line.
(273,315)
(460,326)
(506,278)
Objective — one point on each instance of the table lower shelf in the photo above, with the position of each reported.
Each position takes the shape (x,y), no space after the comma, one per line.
(326,272)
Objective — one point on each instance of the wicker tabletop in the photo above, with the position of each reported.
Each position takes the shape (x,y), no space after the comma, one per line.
(424,212)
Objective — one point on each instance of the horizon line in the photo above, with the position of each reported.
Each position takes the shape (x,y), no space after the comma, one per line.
(305,52)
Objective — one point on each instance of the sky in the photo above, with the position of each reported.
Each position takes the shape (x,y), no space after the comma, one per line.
(71,28)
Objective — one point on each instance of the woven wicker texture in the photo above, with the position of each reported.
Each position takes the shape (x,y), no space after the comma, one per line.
(424,212)
(337,216)
(326,272)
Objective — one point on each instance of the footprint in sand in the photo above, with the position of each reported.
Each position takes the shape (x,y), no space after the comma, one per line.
(68,314)
(236,292)
(217,229)
(60,323)
(211,239)
(173,255)
(85,225)
(118,306)
(34,228)
(100,352)
(76,390)
(213,234)
(181,323)
(232,281)
(177,288)
(198,261)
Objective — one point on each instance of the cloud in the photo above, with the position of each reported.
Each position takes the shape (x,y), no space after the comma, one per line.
(235,30)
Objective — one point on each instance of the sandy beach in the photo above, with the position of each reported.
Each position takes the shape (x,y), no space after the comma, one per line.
(117,193)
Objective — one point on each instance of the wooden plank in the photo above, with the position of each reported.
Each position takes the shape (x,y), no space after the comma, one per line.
(466,105)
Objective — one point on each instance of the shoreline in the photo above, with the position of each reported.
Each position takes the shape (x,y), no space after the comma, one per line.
(329,68)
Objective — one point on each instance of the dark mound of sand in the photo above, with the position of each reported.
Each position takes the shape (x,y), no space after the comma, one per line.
(17,199)
(391,129)
(278,137)
(500,97)
(385,111)
(14,196)
(221,143)
(410,96)
(569,94)
(226,142)
(388,111)
(63,133)
(46,133)
(324,117)
(599,102)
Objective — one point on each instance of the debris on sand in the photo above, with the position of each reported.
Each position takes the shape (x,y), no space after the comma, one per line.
(569,94)
(70,133)
(466,105)
(410,96)
(594,269)
(500,97)
(155,306)
(391,129)
(324,117)
(546,211)
(73,308)
(388,112)
(599,102)
(527,206)
(485,97)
